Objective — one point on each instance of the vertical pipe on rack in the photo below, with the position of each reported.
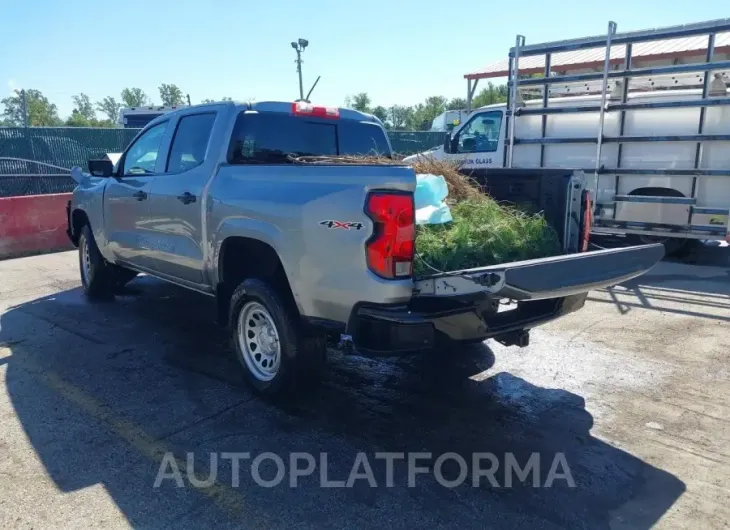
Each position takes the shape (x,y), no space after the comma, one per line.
(703,111)
(468,95)
(508,106)
(624,99)
(602,113)
(519,42)
(545,92)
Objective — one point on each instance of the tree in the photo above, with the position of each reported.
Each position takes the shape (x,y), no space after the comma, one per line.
(208,100)
(78,120)
(171,95)
(41,112)
(400,116)
(456,104)
(424,113)
(490,95)
(83,107)
(360,102)
(135,97)
(381,113)
(110,107)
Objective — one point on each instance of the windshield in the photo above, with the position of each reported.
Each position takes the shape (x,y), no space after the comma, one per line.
(272,138)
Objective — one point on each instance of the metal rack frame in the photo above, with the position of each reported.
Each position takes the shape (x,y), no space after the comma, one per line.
(607,41)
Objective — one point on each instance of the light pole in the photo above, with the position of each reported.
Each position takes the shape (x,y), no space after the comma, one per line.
(299,46)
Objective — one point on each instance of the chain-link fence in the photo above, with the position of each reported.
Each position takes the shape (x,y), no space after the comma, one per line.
(410,142)
(37,160)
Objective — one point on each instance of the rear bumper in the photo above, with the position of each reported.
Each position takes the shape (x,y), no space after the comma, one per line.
(400,329)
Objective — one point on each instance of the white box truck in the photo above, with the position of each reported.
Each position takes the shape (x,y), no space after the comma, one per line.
(655,137)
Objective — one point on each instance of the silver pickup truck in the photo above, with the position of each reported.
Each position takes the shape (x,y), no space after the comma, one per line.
(212,199)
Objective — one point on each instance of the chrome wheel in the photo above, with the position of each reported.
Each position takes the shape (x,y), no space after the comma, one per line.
(85,260)
(258,341)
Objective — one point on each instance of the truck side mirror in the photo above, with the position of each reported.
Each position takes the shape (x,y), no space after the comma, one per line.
(452,143)
(101,168)
(447,143)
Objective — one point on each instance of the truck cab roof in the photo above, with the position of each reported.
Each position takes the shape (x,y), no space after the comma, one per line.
(284,107)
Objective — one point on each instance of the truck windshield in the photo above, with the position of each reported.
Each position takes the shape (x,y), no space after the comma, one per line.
(272,137)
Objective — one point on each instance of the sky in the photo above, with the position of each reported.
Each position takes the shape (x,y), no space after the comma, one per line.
(398,51)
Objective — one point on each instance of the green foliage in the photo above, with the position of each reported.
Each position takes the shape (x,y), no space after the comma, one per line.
(490,95)
(208,100)
(110,107)
(420,116)
(83,106)
(482,233)
(381,113)
(456,104)
(171,95)
(400,116)
(41,112)
(360,102)
(424,113)
(83,114)
(135,97)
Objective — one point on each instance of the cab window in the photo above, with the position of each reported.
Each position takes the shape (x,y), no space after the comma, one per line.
(141,158)
(190,142)
(481,133)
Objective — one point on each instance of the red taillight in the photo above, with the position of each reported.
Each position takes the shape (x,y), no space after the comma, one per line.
(302,108)
(390,250)
(587,221)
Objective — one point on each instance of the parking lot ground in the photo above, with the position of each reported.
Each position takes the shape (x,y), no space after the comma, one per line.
(98,398)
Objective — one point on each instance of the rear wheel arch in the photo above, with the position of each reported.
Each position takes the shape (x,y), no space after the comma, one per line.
(78,220)
(673,245)
(241,258)
(650,191)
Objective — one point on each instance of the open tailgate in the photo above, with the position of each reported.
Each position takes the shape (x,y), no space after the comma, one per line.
(553,277)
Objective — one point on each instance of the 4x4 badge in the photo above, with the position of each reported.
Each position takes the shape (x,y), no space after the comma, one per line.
(341,224)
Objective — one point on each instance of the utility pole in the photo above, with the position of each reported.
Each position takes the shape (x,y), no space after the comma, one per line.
(188,99)
(24,106)
(299,47)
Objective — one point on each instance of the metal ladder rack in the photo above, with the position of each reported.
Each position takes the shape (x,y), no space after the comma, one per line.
(607,41)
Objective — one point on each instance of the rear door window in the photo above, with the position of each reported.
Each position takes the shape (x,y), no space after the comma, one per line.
(190,142)
(272,138)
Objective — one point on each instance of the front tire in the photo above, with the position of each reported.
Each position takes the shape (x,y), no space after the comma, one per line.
(277,353)
(97,278)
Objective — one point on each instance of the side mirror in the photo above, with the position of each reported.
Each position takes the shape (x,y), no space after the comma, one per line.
(101,167)
(447,143)
(454,147)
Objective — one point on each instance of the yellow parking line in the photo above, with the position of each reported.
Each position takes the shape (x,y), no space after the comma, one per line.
(223,496)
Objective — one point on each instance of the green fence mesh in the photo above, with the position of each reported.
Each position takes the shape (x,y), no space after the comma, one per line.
(37,160)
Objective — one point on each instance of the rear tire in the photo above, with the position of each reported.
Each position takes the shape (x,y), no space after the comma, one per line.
(277,353)
(97,277)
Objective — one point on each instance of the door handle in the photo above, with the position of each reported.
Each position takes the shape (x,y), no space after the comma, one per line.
(139,195)
(186,198)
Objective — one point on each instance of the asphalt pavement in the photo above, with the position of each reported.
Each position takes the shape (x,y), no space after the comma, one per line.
(115,414)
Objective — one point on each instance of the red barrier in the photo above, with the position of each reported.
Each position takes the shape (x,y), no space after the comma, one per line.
(33,224)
